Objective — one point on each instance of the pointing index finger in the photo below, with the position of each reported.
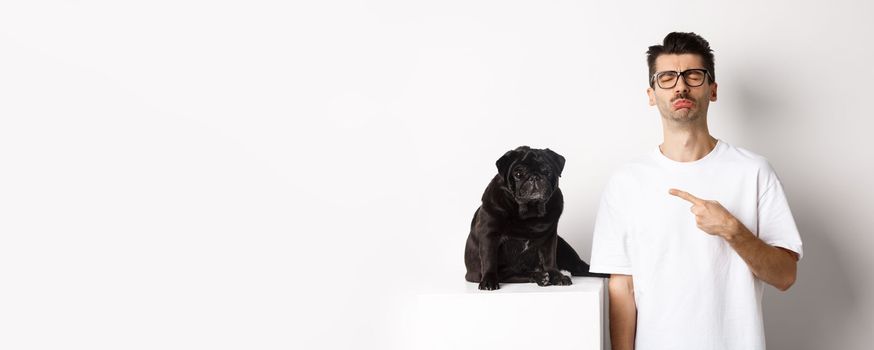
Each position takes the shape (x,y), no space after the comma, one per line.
(685,195)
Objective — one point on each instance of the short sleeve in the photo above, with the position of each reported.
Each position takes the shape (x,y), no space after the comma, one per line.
(610,244)
(776,224)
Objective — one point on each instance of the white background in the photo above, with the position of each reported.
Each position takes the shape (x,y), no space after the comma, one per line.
(288,175)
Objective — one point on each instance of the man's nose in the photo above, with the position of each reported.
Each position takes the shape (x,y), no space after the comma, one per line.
(681,85)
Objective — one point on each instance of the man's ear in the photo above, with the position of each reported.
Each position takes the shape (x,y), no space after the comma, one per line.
(507,159)
(651,93)
(713,92)
(556,159)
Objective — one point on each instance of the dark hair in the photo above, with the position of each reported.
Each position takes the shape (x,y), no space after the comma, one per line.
(679,43)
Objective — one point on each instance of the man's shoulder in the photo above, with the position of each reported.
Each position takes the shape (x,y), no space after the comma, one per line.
(631,166)
(742,156)
(634,170)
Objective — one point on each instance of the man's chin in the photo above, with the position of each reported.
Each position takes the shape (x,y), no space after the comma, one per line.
(683,115)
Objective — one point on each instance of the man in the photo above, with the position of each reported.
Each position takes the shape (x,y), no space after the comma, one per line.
(681,279)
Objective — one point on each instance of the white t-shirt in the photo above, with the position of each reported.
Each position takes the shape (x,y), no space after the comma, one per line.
(692,290)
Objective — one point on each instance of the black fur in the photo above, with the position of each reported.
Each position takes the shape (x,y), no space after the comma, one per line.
(513,235)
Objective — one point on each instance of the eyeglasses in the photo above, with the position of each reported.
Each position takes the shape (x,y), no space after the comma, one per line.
(668,79)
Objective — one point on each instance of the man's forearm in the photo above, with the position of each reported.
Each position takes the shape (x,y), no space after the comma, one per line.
(623,313)
(773,265)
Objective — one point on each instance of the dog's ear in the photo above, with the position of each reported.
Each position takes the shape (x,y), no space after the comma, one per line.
(508,158)
(556,159)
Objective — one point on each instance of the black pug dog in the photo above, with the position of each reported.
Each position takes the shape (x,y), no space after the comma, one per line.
(513,236)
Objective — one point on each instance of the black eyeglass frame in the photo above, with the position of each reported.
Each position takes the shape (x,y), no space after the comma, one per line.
(653,82)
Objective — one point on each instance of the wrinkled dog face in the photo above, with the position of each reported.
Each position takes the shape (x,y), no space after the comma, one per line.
(532,182)
(532,176)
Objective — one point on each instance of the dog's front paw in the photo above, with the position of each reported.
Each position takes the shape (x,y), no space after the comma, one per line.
(489,282)
(560,279)
(541,278)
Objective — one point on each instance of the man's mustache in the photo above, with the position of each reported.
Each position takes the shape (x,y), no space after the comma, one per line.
(684,96)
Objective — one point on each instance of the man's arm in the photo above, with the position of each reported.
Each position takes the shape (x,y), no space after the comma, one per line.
(776,266)
(623,312)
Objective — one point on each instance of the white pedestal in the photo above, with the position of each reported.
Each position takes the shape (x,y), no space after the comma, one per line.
(517,316)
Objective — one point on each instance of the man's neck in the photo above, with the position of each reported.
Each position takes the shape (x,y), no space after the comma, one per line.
(687,144)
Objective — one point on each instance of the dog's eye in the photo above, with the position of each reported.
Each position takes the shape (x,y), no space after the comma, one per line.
(518,174)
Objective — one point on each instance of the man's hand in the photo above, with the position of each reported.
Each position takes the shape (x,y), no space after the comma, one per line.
(776,266)
(710,216)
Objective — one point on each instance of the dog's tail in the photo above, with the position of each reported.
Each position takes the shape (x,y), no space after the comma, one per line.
(568,259)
